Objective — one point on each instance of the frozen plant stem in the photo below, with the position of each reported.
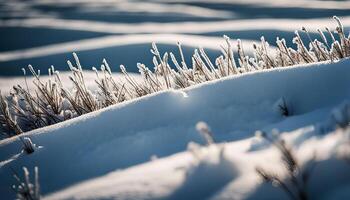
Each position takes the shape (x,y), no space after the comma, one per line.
(295,183)
(25,189)
(28,145)
(205,131)
(285,111)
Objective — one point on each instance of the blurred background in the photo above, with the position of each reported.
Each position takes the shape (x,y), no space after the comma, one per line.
(46,32)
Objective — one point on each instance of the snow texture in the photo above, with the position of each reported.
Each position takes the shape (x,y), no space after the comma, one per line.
(159,125)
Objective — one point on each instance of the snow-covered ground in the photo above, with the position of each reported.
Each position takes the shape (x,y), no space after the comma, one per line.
(148,148)
(121,31)
(126,151)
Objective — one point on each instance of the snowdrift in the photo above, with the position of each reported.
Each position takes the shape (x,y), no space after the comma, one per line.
(159,125)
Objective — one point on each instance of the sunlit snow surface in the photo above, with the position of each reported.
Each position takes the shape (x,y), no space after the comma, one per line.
(120,138)
(45,32)
(142,149)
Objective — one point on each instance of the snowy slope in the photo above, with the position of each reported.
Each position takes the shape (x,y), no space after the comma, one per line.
(121,31)
(225,171)
(162,124)
(144,148)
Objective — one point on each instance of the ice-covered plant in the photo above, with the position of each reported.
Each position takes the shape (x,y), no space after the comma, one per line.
(205,131)
(25,189)
(294,184)
(282,107)
(28,146)
(82,99)
(8,123)
(111,91)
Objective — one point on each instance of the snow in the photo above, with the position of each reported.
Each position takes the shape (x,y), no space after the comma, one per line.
(174,27)
(122,31)
(223,171)
(159,146)
(116,41)
(101,153)
(316,4)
